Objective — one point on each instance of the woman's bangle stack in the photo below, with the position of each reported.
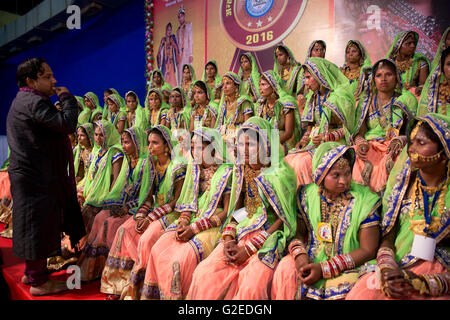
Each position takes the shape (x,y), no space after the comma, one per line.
(185,216)
(335,135)
(296,248)
(159,212)
(256,242)
(386,259)
(229,230)
(433,284)
(336,265)
(201,225)
(142,212)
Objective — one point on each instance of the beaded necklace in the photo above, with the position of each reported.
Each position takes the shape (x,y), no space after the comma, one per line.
(252,200)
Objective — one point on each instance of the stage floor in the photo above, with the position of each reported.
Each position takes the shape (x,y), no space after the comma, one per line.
(13,268)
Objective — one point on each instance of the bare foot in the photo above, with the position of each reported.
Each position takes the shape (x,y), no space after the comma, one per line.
(25,280)
(50,287)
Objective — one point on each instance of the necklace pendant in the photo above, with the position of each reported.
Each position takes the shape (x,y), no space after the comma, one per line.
(324,232)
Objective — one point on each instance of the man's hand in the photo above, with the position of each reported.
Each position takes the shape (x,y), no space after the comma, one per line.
(61,90)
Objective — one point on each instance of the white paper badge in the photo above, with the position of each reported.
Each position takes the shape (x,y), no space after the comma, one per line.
(240,215)
(423,247)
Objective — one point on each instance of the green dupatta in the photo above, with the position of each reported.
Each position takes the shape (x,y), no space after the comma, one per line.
(165,86)
(98,179)
(130,183)
(211,107)
(401,177)
(361,212)
(409,77)
(121,114)
(276,187)
(176,120)
(429,99)
(106,111)
(163,187)
(251,85)
(404,103)
(5,164)
(85,114)
(140,119)
(193,80)
(89,130)
(284,103)
(359,84)
(162,113)
(217,81)
(244,104)
(339,99)
(291,84)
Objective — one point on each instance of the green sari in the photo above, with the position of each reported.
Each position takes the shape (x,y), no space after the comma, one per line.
(284,104)
(429,101)
(396,208)
(98,179)
(120,115)
(164,86)
(204,204)
(89,129)
(251,84)
(361,212)
(86,115)
(244,107)
(188,93)
(290,85)
(162,113)
(106,112)
(217,81)
(181,119)
(276,189)
(338,102)
(401,107)
(357,85)
(205,119)
(163,186)
(139,118)
(410,76)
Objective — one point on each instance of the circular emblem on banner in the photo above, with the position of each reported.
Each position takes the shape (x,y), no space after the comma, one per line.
(259,24)
(258,8)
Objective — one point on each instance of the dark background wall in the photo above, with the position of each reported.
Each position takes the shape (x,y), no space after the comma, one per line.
(108,51)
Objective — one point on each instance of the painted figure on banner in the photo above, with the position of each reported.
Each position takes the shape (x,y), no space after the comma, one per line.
(185,41)
(168,56)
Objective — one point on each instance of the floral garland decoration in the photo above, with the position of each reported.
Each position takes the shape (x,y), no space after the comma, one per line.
(149,23)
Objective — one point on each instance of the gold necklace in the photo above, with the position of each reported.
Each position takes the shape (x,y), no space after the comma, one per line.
(352,74)
(268,111)
(161,168)
(444,96)
(252,199)
(404,65)
(206,175)
(417,200)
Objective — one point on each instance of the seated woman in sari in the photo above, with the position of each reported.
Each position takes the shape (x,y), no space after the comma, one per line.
(287,68)
(106,163)
(123,196)
(280,109)
(117,112)
(178,113)
(235,108)
(435,96)
(213,79)
(91,101)
(83,153)
(357,66)
(135,112)
(413,257)
(97,115)
(106,93)
(203,205)
(414,67)
(382,111)
(249,74)
(128,256)
(317,49)
(157,81)
(328,116)
(339,220)
(89,105)
(260,221)
(155,109)
(204,111)
(188,80)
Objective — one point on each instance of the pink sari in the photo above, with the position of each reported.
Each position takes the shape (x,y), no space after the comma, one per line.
(100,239)
(377,156)
(214,279)
(368,286)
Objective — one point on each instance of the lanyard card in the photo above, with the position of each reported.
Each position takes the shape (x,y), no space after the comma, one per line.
(240,215)
(423,247)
